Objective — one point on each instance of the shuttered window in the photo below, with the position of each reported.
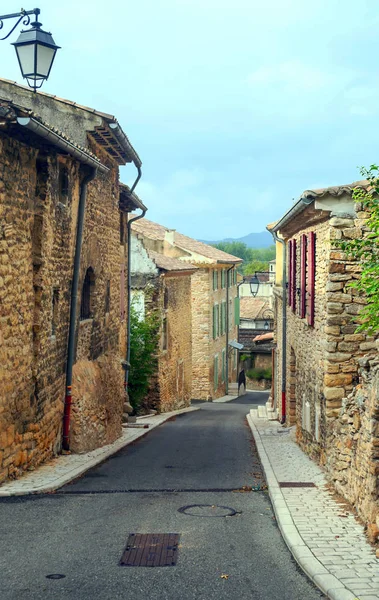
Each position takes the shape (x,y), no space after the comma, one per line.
(289,274)
(122,293)
(215,280)
(236,310)
(311,256)
(303,276)
(214,323)
(293,276)
(215,372)
(223,366)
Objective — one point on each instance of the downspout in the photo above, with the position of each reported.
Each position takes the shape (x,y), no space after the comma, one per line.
(73,307)
(227,333)
(135,183)
(284,325)
(129,287)
(299,206)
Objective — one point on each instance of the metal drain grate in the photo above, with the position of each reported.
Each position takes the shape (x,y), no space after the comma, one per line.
(151,550)
(295,484)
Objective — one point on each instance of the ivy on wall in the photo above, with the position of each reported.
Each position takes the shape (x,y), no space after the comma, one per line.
(366,249)
(144,343)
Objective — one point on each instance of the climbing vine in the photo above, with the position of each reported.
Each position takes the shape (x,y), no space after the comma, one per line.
(366,249)
(144,341)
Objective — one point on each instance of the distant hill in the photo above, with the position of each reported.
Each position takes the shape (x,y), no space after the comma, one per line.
(252,240)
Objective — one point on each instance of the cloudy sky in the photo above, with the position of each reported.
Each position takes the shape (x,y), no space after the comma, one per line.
(234,107)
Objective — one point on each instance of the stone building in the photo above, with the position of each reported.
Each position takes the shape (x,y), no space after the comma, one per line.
(320,351)
(255,332)
(163,285)
(57,158)
(214,305)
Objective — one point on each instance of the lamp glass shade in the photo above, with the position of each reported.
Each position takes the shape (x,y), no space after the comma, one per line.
(25,55)
(36,51)
(254,285)
(266,325)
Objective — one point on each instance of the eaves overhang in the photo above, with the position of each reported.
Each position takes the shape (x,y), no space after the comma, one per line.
(129,200)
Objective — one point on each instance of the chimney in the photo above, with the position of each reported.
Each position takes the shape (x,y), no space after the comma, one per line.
(170,236)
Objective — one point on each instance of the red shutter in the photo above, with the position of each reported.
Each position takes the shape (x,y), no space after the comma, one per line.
(289,298)
(303,275)
(293,276)
(311,278)
(122,293)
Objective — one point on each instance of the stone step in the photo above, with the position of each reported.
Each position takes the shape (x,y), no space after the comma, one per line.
(262,412)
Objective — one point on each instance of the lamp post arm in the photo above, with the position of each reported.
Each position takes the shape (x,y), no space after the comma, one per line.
(23,14)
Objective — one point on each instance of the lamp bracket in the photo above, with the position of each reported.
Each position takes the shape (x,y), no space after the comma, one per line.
(23,15)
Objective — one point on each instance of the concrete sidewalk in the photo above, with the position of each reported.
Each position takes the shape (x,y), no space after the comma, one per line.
(63,469)
(323,535)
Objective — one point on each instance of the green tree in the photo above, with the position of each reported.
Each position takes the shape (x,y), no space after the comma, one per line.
(236,249)
(366,250)
(144,343)
(253,266)
(254,259)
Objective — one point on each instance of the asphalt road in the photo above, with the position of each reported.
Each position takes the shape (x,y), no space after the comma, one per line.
(202,458)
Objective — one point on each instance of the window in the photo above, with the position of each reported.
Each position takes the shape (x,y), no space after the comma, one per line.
(293,275)
(87,295)
(236,310)
(216,321)
(63,183)
(107,296)
(165,299)
(223,365)
(215,369)
(303,275)
(311,256)
(164,333)
(122,294)
(215,280)
(54,312)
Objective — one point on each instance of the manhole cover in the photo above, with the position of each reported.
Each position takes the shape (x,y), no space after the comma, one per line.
(207,510)
(151,550)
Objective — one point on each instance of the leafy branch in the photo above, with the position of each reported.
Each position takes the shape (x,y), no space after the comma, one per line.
(144,341)
(366,250)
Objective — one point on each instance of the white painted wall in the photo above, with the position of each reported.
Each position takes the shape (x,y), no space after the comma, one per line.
(141,263)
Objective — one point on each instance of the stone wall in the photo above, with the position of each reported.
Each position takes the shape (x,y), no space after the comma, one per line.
(353,446)
(204,347)
(201,334)
(37,233)
(175,362)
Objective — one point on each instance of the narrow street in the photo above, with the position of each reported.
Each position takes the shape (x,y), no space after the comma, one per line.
(200,458)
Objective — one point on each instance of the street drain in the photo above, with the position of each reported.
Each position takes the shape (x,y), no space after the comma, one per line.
(208,510)
(296,484)
(151,550)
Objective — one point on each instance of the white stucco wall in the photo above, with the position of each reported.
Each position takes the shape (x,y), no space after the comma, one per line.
(141,263)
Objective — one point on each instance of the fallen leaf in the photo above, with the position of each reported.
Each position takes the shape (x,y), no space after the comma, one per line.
(224,576)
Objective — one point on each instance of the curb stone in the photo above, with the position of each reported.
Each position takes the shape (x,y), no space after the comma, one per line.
(321,577)
(47,478)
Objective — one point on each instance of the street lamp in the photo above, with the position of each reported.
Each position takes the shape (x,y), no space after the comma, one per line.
(35,48)
(254,285)
(268,314)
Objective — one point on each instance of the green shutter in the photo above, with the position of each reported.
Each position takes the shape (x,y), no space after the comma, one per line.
(223,366)
(215,280)
(236,310)
(216,372)
(214,322)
